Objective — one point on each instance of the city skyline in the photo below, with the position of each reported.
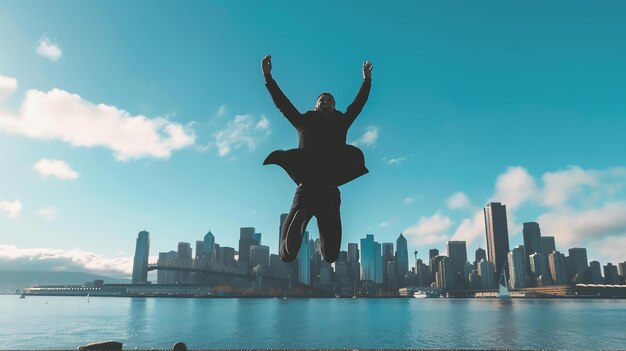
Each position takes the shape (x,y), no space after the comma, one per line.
(105,133)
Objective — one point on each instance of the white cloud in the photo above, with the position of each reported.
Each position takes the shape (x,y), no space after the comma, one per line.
(458,200)
(55,168)
(571,226)
(429,230)
(397,160)
(241,131)
(59,115)
(49,50)
(369,138)
(408,200)
(8,86)
(49,213)
(515,187)
(65,260)
(11,209)
(561,185)
(470,228)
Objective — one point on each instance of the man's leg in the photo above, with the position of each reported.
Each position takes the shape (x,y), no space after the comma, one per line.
(329,224)
(294,226)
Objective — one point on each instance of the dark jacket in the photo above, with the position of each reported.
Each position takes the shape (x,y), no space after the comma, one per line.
(322,156)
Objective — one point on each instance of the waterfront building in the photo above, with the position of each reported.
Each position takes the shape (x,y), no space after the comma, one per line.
(556,262)
(209,246)
(260,256)
(547,245)
(422,272)
(354,267)
(167,259)
(227,257)
(595,271)
(257,238)
(479,255)
(467,271)
(326,272)
(578,263)
(497,235)
(199,248)
(457,252)
(486,273)
(622,269)
(474,280)
(610,274)
(402,259)
(517,268)
(304,261)
(140,260)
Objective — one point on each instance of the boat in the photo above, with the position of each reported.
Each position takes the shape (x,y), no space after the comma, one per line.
(503,290)
(421,294)
(22,296)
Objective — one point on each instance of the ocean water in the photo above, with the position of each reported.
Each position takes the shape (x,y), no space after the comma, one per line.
(68,322)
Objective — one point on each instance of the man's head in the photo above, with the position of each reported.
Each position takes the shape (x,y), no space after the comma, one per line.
(325,103)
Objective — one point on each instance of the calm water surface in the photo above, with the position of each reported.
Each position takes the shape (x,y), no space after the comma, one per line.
(67,322)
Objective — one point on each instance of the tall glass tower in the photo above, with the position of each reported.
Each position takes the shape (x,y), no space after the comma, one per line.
(304,261)
(497,236)
(402,258)
(140,262)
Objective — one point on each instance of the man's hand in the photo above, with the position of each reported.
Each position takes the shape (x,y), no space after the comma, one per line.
(266,65)
(367,70)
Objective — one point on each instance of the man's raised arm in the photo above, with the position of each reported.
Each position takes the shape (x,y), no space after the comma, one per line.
(280,100)
(361,98)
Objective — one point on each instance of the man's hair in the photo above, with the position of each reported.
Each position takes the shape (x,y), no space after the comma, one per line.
(329,94)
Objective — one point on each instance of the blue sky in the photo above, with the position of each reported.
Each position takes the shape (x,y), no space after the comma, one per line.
(122,116)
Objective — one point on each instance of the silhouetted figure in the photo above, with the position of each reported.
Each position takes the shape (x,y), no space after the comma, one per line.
(179,346)
(321,163)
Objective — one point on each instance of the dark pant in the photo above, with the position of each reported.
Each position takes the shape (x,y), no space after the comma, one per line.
(309,201)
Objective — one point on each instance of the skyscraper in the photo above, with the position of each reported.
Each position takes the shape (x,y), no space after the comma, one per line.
(485,271)
(369,260)
(304,261)
(595,271)
(497,235)
(445,273)
(167,276)
(209,245)
(199,248)
(257,238)
(184,259)
(140,261)
(457,252)
(578,261)
(540,273)
(610,274)
(402,259)
(354,267)
(547,245)
(532,243)
(260,256)
(432,253)
(517,268)
(556,261)
(622,268)
(246,239)
(388,257)
(478,256)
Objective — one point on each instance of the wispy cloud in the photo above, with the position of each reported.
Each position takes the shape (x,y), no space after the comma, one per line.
(242,131)
(48,49)
(389,223)
(59,115)
(429,230)
(408,200)
(11,209)
(49,213)
(55,168)
(395,161)
(8,86)
(369,138)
